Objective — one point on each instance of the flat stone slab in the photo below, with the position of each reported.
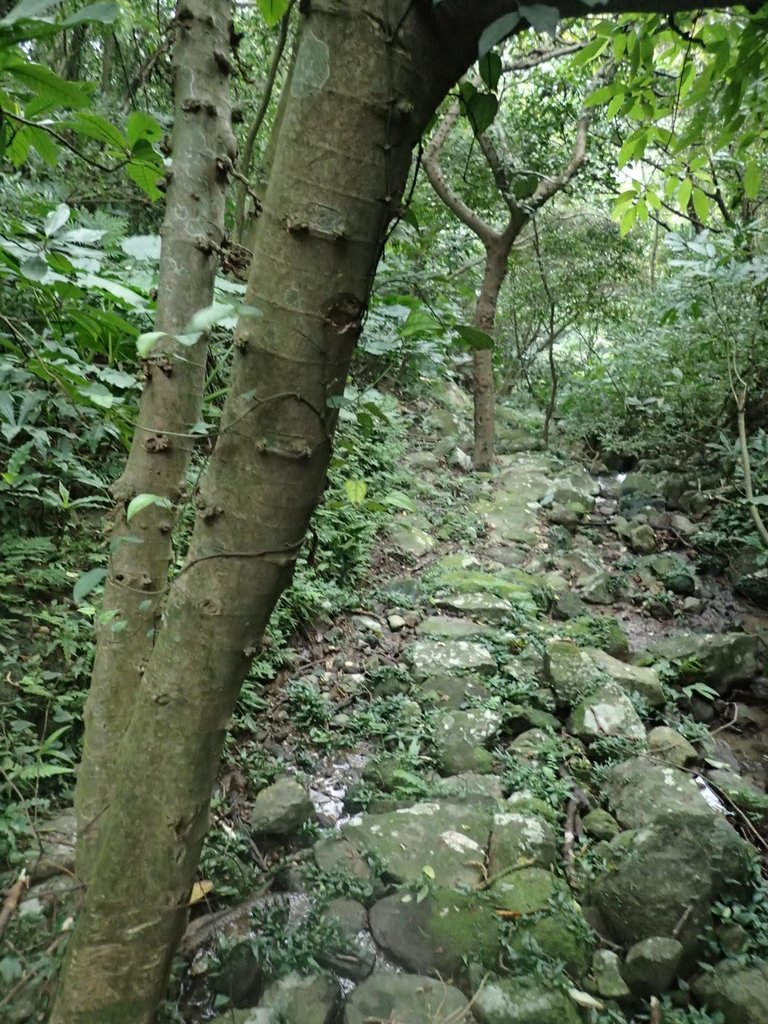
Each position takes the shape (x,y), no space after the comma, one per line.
(446,657)
(606,712)
(447,628)
(446,837)
(482,606)
(404,997)
(435,936)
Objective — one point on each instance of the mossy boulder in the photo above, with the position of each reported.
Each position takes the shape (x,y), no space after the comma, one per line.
(562,936)
(520,840)
(404,997)
(446,837)
(661,880)
(522,1001)
(639,791)
(450,657)
(738,992)
(435,935)
(606,712)
(460,738)
(569,671)
(598,631)
(719,659)
(527,890)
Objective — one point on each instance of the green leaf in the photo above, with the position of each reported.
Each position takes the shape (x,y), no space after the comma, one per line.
(142,501)
(603,94)
(56,219)
(86,583)
(146,176)
(490,69)
(589,52)
(356,490)
(684,193)
(29,9)
(752,180)
(104,12)
(396,499)
(141,126)
(208,317)
(273,10)
(94,126)
(541,17)
(481,110)
(428,871)
(496,31)
(34,269)
(474,338)
(627,221)
(146,342)
(49,91)
(700,204)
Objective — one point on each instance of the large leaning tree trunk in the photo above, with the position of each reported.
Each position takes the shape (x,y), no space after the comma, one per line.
(141,550)
(368,76)
(498,243)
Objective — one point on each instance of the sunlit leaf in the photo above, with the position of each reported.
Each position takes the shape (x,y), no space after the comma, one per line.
(356,490)
(142,501)
(87,583)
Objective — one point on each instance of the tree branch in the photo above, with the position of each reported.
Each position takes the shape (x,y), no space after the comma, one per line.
(439,182)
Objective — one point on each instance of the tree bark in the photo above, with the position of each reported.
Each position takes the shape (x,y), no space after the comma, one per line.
(484,393)
(318,240)
(141,550)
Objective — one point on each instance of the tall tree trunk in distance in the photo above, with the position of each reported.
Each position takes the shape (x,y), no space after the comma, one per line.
(369,75)
(107,59)
(141,550)
(483,391)
(498,243)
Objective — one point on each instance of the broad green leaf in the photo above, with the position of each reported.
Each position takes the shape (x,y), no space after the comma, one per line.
(94,126)
(56,219)
(208,317)
(700,204)
(98,394)
(141,126)
(603,94)
(490,69)
(273,10)
(142,501)
(497,31)
(103,12)
(29,9)
(49,91)
(396,499)
(541,17)
(627,221)
(43,142)
(35,269)
(474,338)
(146,176)
(481,110)
(146,342)
(589,52)
(684,193)
(428,871)
(356,490)
(87,583)
(752,179)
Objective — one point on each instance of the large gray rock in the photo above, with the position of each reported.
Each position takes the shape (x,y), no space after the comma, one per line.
(410,538)
(639,791)
(606,712)
(281,808)
(444,627)
(740,993)
(569,671)
(662,879)
(356,956)
(519,840)
(294,999)
(721,660)
(666,744)
(606,972)
(446,657)
(443,836)
(481,606)
(437,934)
(56,851)
(404,997)
(461,737)
(522,1001)
(651,965)
(631,678)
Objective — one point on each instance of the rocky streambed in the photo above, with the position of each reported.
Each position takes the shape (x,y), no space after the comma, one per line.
(524,783)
